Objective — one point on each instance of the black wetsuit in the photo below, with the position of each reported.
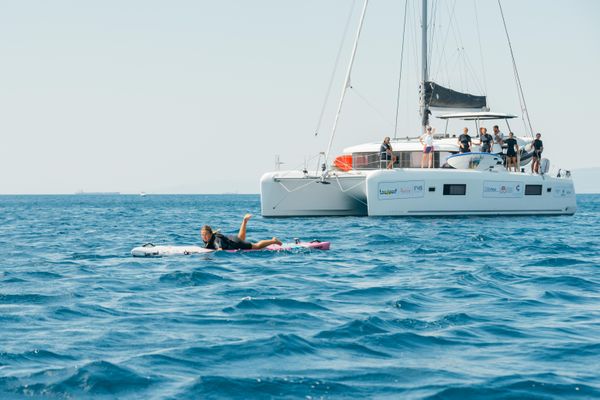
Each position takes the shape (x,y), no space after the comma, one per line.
(486,143)
(464,140)
(537,148)
(218,241)
(511,144)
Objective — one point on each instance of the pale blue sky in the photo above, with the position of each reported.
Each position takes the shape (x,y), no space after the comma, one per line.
(200,96)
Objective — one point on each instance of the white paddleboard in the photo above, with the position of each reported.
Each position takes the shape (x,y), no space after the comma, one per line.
(478,161)
(151,250)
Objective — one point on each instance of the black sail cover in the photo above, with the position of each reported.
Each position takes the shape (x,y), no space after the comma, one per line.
(439,96)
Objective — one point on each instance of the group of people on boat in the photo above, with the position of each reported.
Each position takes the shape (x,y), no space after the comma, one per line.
(465,142)
(487,141)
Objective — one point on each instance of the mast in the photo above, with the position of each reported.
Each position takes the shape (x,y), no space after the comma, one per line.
(423,106)
(346,80)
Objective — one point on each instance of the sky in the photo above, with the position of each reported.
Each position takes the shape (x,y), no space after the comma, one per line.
(203,96)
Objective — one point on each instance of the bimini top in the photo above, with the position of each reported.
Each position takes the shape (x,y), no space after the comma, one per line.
(476,115)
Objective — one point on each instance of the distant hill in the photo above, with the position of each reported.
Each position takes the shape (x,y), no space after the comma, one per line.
(587,180)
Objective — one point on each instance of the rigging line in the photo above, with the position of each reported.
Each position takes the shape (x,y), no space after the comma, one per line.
(349,194)
(335,66)
(430,32)
(517,78)
(400,73)
(310,181)
(410,66)
(416,18)
(363,98)
(293,169)
(463,69)
(470,66)
(452,63)
(466,63)
(342,188)
(432,24)
(438,72)
(480,48)
(459,45)
(346,80)
(447,34)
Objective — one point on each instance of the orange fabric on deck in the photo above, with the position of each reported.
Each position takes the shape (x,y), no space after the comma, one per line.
(343,162)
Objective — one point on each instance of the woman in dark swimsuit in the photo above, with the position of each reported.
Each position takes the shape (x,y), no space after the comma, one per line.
(538,147)
(217,241)
(511,152)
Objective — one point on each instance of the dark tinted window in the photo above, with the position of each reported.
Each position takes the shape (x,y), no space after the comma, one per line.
(455,190)
(533,190)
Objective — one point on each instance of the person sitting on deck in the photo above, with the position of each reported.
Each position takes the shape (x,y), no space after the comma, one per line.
(511,152)
(485,140)
(387,157)
(464,141)
(217,241)
(427,141)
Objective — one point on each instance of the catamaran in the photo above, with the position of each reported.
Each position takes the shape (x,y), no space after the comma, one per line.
(474,183)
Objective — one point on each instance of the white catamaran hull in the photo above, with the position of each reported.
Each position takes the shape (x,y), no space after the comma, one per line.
(417,192)
(405,192)
(292,194)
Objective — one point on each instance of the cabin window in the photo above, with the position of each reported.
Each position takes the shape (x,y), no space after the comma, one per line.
(436,159)
(533,190)
(404,159)
(365,160)
(397,154)
(455,189)
(415,159)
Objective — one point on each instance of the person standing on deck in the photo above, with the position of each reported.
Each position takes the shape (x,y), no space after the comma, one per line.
(498,137)
(511,152)
(427,142)
(464,141)
(486,141)
(538,147)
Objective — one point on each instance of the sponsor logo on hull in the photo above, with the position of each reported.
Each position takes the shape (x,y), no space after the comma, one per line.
(502,189)
(400,190)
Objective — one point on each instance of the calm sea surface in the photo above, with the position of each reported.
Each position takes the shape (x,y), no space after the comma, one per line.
(434,308)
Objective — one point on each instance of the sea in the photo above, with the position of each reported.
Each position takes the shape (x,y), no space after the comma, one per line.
(398,308)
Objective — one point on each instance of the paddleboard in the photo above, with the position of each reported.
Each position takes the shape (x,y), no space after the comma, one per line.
(478,161)
(151,250)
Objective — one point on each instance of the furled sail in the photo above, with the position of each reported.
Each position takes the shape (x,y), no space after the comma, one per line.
(439,96)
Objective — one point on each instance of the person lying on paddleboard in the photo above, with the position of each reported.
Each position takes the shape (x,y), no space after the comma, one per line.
(217,241)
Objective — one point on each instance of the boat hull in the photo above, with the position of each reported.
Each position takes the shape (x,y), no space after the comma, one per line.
(293,194)
(416,192)
(430,192)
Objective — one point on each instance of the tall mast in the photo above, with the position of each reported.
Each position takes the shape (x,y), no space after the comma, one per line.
(423,106)
(347,79)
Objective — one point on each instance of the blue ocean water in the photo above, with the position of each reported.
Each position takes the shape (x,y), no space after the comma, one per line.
(415,308)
